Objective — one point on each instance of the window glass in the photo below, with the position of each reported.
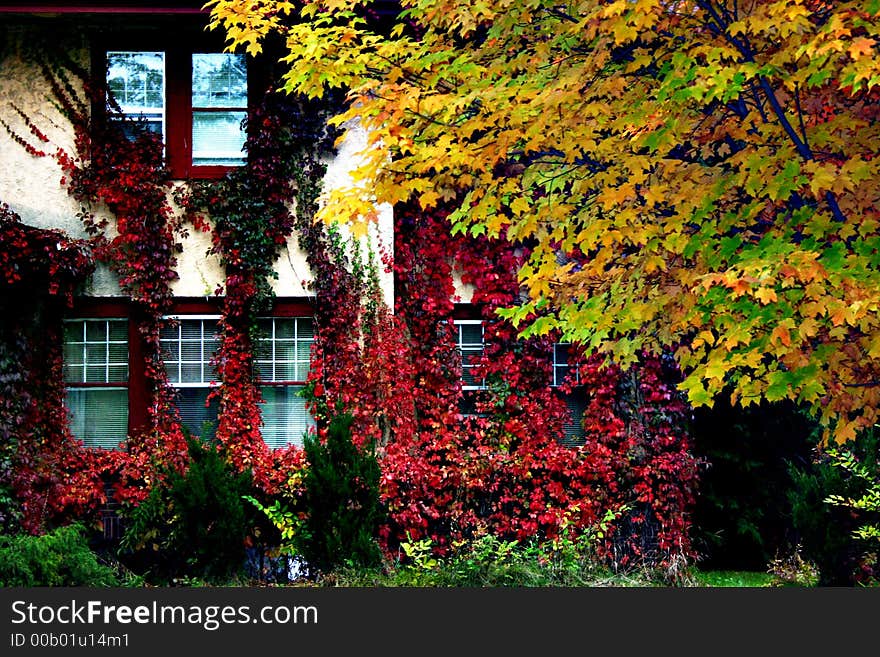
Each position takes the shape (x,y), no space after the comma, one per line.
(282,356)
(573,432)
(562,365)
(219,80)
(98,416)
(283,349)
(470,346)
(188,347)
(96,377)
(285,417)
(219,101)
(136,81)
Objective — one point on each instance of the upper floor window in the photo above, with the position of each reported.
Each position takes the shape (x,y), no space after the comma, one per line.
(196,101)
(96,380)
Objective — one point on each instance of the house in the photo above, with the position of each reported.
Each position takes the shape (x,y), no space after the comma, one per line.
(208,303)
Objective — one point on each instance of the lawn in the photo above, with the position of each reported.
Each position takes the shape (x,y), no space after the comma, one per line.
(734,578)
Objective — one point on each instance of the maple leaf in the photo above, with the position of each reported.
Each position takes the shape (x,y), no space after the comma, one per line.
(862,47)
(766,295)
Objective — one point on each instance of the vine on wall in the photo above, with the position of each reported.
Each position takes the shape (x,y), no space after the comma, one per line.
(39,272)
(503,468)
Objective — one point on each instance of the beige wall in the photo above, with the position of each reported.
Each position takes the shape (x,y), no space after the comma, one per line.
(31,186)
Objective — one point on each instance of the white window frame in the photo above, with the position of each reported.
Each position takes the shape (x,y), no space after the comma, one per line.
(469,347)
(106,384)
(291,384)
(204,362)
(564,369)
(208,384)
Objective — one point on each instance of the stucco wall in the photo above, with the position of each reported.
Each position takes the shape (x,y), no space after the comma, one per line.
(31,186)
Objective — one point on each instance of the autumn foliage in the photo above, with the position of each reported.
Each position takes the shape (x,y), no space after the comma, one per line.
(451,468)
(700,175)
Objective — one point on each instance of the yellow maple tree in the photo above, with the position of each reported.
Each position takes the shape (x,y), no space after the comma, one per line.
(708,168)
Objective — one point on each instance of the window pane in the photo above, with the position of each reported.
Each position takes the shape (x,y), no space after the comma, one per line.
(118,373)
(73,354)
(287,357)
(96,374)
(305,328)
(191,351)
(263,350)
(285,418)
(471,334)
(118,354)
(96,331)
(173,370)
(194,413)
(574,429)
(191,373)
(95,351)
(285,329)
(73,331)
(118,331)
(285,350)
(285,372)
(73,373)
(171,350)
(211,345)
(264,371)
(191,329)
(98,417)
(136,81)
(303,351)
(219,80)
(218,138)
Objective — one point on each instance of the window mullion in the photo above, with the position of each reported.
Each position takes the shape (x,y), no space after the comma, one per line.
(179,111)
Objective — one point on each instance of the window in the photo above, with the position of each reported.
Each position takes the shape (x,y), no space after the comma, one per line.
(281,357)
(96,378)
(219,106)
(564,371)
(136,81)
(470,345)
(188,345)
(196,101)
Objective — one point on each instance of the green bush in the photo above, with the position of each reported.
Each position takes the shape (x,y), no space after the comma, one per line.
(742,516)
(826,531)
(341,500)
(59,558)
(489,561)
(193,525)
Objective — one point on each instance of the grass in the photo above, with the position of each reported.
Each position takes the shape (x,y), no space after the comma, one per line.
(733,578)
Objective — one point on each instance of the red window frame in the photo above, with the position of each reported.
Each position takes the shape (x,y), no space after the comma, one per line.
(118,308)
(178,48)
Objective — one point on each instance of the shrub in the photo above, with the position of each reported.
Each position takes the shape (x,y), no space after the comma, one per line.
(341,501)
(193,524)
(59,558)
(826,530)
(490,561)
(743,512)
